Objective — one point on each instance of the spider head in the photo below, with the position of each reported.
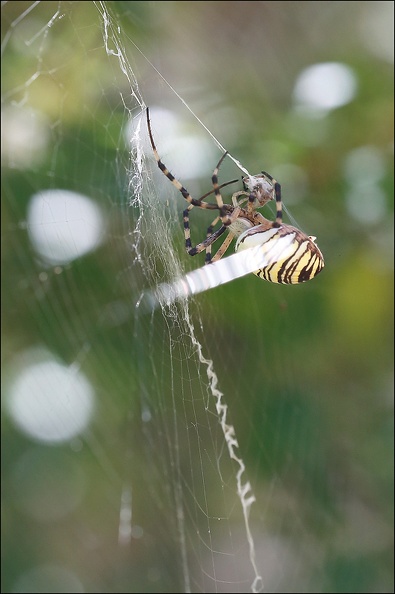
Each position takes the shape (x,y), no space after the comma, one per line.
(260,186)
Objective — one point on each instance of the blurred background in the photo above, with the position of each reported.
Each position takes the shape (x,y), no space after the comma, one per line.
(116,476)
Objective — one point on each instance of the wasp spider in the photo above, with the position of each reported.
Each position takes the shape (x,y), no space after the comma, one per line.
(290,255)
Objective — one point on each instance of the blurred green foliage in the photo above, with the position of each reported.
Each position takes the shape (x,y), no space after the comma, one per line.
(306,371)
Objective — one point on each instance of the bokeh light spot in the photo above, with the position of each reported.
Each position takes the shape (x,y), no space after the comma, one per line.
(323,87)
(64,225)
(48,401)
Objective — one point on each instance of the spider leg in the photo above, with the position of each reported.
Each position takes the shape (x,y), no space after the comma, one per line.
(251,200)
(204,245)
(233,181)
(223,248)
(187,231)
(224,216)
(209,233)
(236,196)
(279,204)
(171,177)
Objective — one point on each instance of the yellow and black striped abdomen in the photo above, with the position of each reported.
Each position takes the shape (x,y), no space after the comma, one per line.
(290,256)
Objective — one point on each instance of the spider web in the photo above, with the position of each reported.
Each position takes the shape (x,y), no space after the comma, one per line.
(175,449)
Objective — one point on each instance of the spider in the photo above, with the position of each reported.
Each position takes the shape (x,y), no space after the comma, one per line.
(291,256)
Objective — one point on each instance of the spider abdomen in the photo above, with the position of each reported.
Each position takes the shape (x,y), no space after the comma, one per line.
(290,255)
